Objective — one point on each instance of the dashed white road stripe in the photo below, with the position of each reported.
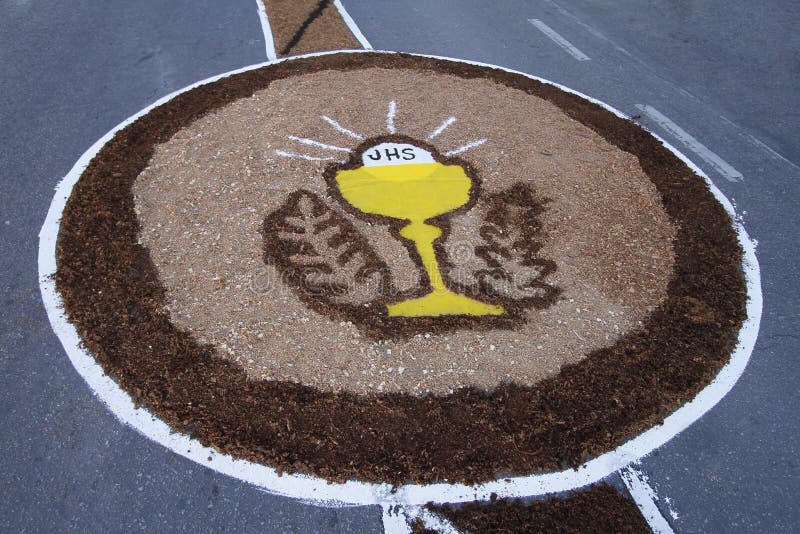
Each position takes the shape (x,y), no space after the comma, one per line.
(352,25)
(267,30)
(592,31)
(559,40)
(645,498)
(759,143)
(719,164)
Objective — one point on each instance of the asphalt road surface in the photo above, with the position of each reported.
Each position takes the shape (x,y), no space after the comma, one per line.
(718,79)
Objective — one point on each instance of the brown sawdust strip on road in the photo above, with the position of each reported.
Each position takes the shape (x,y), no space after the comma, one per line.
(600,508)
(113,295)
(305,26)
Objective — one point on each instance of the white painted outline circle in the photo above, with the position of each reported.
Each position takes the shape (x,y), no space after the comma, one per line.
(319,491)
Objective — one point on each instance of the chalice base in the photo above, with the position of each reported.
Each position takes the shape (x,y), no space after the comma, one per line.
(442,303)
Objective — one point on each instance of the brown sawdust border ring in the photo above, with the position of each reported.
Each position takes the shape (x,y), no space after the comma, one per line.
(112,295)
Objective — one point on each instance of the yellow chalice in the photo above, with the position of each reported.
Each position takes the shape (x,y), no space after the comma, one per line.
(404,181)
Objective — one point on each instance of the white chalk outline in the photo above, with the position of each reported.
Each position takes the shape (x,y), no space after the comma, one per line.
(397,519)
(645,498)
(558,39)
(266,29)
(320,491)
(435,522)
(351,24)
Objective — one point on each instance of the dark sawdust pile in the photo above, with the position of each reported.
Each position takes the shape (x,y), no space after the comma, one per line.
(600,508)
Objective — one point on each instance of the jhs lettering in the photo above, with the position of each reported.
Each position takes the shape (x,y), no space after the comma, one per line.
(387,154)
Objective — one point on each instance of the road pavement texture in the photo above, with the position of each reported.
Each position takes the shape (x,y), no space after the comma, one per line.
(651,114)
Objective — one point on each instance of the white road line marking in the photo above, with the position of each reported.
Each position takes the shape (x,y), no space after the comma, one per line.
(352,25)
(390,117)
(447,122)
(719,164)
(306,157)
(317,144)
(645,498)
(340,128)
(593,31)
(466,147)
(643,64)
(267,31)
(559,40)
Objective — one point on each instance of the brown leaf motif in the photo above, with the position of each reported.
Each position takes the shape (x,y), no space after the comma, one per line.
(322,254)
(506,265)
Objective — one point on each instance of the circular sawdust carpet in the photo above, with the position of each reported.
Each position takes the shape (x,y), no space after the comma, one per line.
(398,268)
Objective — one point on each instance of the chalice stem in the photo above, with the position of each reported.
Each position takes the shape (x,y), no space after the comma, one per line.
(423,235)
(440,300)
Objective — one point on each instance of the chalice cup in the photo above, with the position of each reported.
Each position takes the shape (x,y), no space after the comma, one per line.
(404,181)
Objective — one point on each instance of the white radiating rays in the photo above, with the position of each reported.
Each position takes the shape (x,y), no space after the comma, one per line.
(311,142)
(447,122)
(319,144)
(391,127)
(464,148)
(341,129)
(390,117)
(306,157)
